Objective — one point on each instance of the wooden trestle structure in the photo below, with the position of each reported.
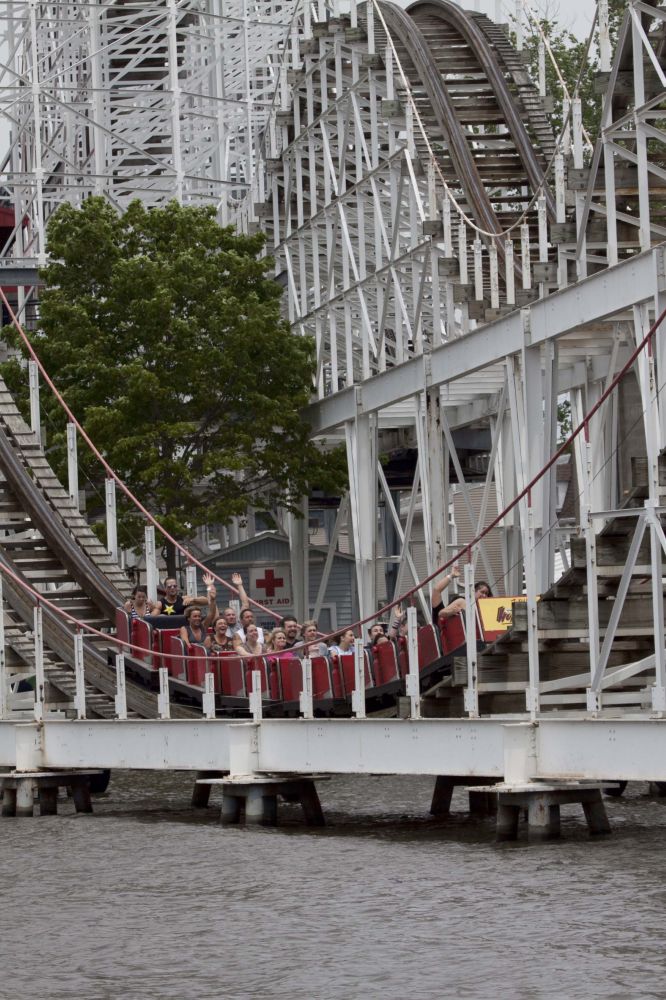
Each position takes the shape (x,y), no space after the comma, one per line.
(460,268)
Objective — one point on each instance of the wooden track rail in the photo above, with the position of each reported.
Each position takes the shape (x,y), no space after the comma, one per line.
(45,540)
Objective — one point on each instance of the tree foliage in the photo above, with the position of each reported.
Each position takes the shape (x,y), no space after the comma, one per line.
(578,65)
(163,332)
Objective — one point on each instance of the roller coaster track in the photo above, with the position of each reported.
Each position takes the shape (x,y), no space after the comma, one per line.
(46,542)
(492,144)
(488,132)
(472,114)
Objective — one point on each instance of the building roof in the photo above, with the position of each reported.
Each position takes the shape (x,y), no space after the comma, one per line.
(240,548)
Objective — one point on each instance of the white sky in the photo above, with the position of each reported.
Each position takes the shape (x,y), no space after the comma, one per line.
(576,15)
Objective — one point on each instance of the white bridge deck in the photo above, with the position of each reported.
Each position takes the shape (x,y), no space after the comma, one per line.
(561,749)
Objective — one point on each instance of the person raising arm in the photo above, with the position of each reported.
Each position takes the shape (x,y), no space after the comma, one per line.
(436,601)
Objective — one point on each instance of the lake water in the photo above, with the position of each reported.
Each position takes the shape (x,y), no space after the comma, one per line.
(149,899)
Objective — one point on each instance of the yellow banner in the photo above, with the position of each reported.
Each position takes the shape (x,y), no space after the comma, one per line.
(496,613)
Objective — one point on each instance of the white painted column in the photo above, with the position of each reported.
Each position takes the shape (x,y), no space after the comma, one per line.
(305,701)
(79,677)
(40,682)
(111,523)
(151,563)
(163,704)
(413,681)
(361,439)
(121,696)
(471,694)
(37,166)
(358,694)
(174,87)
(72,464)
(4,680)
(297,530)
(35,418)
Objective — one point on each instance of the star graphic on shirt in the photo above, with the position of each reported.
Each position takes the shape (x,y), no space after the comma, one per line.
(168,609)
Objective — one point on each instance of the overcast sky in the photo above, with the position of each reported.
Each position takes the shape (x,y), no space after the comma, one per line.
(573,14)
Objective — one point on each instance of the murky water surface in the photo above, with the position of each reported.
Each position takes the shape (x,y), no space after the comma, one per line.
(148,899)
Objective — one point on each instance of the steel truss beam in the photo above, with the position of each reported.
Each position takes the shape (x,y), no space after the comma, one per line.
(588,749)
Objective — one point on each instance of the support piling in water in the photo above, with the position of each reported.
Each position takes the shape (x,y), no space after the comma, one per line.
(256,799)
(202,789)
(542,803)
(481,802)
(19,789)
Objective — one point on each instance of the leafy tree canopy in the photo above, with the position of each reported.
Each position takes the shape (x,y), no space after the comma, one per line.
(163,332)
(575,62)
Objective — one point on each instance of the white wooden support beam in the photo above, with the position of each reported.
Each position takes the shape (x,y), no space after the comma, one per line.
(605,48)
(649,394)
(35,416)
(299,557)
(462,252)
(446,225)
(305,702)
(361,440)
(566,135)
(412,681)
(111,523)
(494,276)
(592,593)
(208,700)
(581,216)
(121,693)
(509,274)
(72,464)
(529,548)
(358,694)
(526,262)
(163,703)
(151,562)
(40,682)
(611,207)
(471,695)
(370,29)
(548,514)
(176,157)
(38,132)
(657,580)
(542,68)
(79,677)
(543,229)
(434,471)
(256,705)
(4,679)
(560,190)
(478,270)
(191,579)
(521,412)
(640,137)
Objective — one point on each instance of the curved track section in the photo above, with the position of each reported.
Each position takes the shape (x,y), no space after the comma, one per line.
(378,262)
(447,26)
(472,115)
(46,542)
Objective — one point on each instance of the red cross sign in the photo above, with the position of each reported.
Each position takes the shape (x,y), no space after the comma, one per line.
(271,586)
(270,582)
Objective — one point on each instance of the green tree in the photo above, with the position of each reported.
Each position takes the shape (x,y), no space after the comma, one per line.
(576,63)
(163,332)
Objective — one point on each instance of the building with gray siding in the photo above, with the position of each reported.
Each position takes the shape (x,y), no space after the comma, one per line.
(264,564)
